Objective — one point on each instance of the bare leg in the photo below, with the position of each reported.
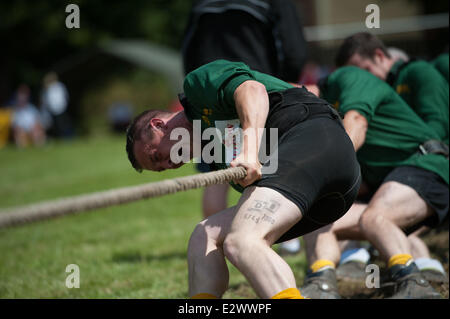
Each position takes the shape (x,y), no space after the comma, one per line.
(208,272)
(393,207)
(262,216)
(418,248)
(38,135)
(244,234)
(215,199)
(323,243)
(20,138)
(348,244)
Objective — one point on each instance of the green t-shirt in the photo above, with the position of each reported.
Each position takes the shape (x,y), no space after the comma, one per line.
(209,91)
(441,64)
(394,131)
(425,90)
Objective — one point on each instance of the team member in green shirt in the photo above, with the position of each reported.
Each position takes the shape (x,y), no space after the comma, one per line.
(305,192)
(411,187)
(441,64)
(422,88)
(418,82)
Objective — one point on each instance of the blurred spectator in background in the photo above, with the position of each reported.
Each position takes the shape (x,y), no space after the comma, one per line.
(26,120)
(55,100)
(5,125)
(119,116)
(313,72)
(398,54)
(265,35)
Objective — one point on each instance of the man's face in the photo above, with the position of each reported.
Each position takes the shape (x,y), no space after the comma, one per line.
(154,153)
(377,66)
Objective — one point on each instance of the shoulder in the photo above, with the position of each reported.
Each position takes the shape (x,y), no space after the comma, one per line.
(422,73)
(442,59)
(353,77)
(217,65)
(418,67)
(216,70)
(351,72)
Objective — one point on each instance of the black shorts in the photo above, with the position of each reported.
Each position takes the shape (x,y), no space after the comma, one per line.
(430,187)
(317,170)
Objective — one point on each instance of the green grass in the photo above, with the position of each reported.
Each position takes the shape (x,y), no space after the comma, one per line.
(136,250)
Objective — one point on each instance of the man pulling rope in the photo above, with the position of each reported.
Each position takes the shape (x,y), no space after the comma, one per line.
(307,191)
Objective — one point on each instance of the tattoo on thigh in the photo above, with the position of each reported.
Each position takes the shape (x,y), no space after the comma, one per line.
(259,205)
(257,219)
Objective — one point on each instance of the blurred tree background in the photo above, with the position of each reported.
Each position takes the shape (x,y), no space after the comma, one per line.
(35,40)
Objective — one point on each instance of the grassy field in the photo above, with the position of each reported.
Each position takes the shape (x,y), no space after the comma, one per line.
(136,250)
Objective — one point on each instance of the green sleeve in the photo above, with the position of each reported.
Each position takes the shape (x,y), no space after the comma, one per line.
(441,64)
(350,88)
(213,84)
(430,96)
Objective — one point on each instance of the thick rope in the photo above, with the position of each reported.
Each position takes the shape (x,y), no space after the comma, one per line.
(71,205)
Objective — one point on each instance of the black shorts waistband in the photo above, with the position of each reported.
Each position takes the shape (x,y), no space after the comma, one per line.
(293,106)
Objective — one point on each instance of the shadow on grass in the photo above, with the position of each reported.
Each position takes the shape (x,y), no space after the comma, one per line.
(137,257)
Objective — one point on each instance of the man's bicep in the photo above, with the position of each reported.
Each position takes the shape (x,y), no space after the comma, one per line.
(249,86)
(228,92)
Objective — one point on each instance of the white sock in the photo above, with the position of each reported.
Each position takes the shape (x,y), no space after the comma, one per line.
(292,245)
(428,263)
(356,254)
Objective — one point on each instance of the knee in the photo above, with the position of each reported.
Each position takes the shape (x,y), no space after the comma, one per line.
(370,220)
(236,246)
(198,240)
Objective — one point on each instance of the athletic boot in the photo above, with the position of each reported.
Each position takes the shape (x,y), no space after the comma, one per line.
(321,285)
(352,271)
(432,270)
(435,276)
(410,284)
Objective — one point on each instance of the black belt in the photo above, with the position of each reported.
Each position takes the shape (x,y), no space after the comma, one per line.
(310,104)
(433,147)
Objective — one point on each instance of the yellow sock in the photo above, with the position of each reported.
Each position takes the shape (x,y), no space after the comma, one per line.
(290,293)
(204,296)
(322,263)
(400,259)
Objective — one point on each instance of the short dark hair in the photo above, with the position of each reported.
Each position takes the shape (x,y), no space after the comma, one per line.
(135,131)
(362,43)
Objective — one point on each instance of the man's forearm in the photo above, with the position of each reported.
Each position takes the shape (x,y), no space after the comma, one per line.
(252,105)
(356,127)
